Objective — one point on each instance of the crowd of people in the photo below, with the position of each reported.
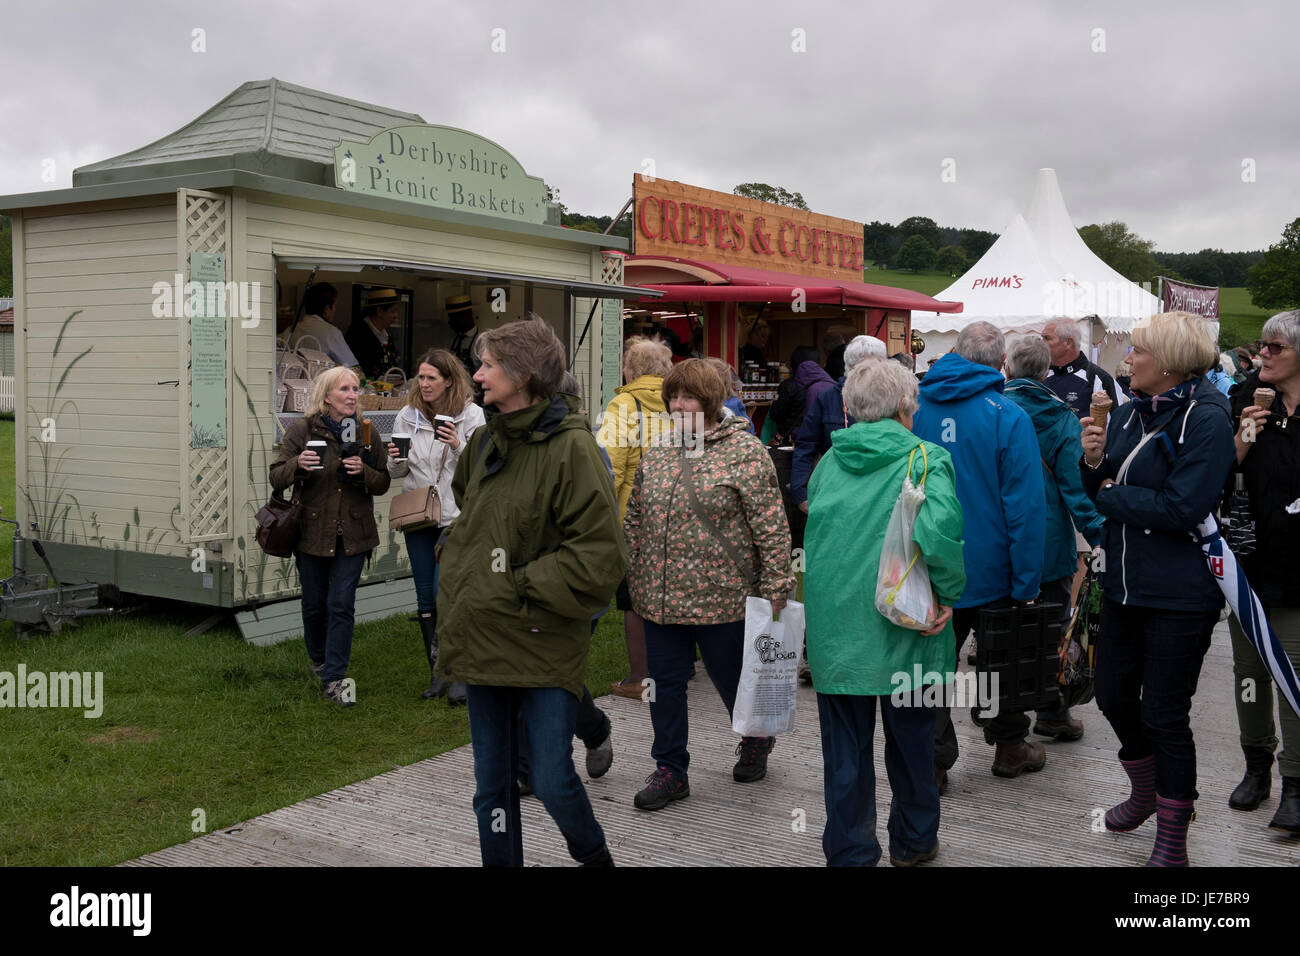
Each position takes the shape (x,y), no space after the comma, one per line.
(673,511)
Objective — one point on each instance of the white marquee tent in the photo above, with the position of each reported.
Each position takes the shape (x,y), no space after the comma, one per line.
(1038,269)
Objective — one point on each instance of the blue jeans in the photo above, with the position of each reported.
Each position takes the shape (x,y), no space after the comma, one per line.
(848,727)
(329,597)
(420,548)
(670,656)
(550,715)
(1148,663)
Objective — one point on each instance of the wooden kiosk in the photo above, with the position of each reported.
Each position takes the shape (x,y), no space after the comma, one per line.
(729,262)
(146,418)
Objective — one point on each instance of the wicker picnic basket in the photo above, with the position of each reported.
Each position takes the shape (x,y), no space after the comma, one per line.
(314,360)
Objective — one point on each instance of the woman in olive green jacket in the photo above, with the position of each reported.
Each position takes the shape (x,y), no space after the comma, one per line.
(856,655)
(339,478)
(533,555)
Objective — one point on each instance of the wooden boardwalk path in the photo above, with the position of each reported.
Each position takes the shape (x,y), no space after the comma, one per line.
(421,814)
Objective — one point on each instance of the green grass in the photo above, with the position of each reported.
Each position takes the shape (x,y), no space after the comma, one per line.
(1239,321)
(209,723)
(927,283)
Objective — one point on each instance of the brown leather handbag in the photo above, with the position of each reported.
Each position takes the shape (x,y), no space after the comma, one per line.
(277,524)
(419,508)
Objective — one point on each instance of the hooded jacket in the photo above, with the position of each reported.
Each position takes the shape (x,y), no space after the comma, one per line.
(1150,558)
(826,416)
(852,649)
(1271,470)
(680,572)
(812,378)
(1000,480)
(534,554)
(625,435)
(1068,507)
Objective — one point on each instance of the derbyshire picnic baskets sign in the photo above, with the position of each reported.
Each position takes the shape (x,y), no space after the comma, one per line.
(677,220)
(444,167)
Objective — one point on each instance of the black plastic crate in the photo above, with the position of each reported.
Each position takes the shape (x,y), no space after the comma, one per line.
(1019,645)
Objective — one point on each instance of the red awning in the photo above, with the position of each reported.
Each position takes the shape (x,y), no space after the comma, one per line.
(731,283)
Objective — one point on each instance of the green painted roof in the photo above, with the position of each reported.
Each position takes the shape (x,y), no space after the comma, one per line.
(266,126)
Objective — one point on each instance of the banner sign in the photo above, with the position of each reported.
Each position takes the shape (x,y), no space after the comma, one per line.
(1201,300)
(207,351)
(444,167)
(674,219)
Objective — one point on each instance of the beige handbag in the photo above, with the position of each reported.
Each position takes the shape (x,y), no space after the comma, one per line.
(418,508)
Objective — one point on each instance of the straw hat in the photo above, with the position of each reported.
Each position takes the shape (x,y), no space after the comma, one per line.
(376,297)
(457,304)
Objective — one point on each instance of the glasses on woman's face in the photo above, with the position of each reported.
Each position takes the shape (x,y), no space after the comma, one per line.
(1273,348)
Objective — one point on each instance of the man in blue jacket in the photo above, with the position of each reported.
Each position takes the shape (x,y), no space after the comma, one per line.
(827,415)
(1067,505)
(1000,486)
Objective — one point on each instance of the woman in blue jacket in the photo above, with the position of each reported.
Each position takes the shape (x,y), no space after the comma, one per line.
(1155,473)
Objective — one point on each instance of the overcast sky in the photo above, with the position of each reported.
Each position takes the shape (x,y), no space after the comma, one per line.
(1149,120)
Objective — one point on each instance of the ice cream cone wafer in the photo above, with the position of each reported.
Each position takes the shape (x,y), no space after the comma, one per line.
(1264,398)
(1100,409)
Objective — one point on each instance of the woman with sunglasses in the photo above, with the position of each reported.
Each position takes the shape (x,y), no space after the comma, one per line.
(1268,459)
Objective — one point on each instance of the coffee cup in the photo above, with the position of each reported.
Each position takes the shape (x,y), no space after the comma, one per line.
(440,420)
(403,443)
(319,448)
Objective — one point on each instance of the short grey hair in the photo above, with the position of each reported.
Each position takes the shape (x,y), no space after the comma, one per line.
(570,385)
(876,390)
(981,343)
(1284,324)
(1028,357)
(1066,330)
(862,347)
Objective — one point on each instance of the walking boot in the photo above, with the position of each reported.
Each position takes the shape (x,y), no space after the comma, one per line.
(428,630)
(1133,812)
(1172,819)
(1011,760)
(457,695)
(1258,782)
(1287,818)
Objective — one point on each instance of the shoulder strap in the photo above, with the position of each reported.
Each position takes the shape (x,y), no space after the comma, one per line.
(688,474)
(640,425)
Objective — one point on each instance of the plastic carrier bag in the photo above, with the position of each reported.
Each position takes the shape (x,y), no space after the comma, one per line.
(903,593)
(769,671)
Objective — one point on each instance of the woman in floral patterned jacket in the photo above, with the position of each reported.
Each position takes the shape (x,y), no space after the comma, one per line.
(694,558)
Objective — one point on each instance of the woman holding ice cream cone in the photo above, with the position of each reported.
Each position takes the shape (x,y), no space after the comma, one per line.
(1154,472)
(1265,408)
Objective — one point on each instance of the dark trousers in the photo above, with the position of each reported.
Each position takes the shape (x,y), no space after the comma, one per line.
(670,654)
(550,714)
(592,727)
(848,726)
(421,548)
(1148,664)
(329,597)
(1005,728)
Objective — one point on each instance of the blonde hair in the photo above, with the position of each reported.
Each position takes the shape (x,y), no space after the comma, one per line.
(323,384)
(644,356)
(728,376)
(1178,341)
